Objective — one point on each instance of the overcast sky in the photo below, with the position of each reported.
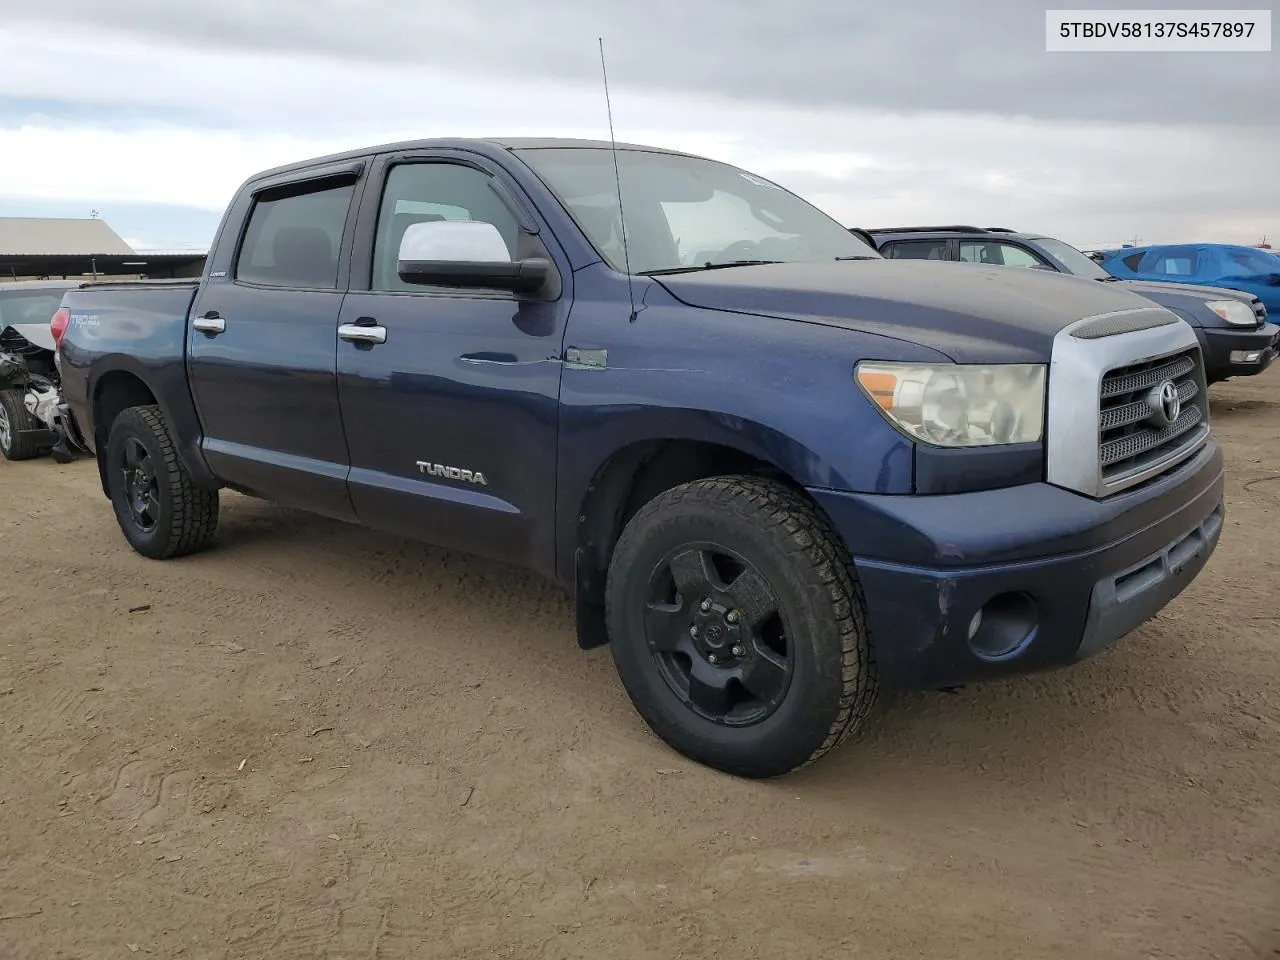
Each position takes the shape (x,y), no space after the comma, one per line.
(152,111)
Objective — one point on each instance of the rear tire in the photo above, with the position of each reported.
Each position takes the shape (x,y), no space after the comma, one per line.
(761,664)
(14,419)
(161,512)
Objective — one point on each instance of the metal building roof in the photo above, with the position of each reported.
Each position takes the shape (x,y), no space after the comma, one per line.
(52,237)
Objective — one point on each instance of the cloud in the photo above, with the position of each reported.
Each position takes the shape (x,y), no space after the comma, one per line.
(163,122)
(926,54)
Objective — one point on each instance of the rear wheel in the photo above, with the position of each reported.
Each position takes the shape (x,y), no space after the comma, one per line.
(15,418)
(737,626)
(161,512)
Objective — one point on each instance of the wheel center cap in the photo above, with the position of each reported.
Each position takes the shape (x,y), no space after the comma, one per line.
(712,631)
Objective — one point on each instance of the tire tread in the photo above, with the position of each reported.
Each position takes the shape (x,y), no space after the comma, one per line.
(815,548)
(193,519)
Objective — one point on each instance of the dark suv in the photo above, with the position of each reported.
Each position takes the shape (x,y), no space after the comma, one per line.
(1232,327)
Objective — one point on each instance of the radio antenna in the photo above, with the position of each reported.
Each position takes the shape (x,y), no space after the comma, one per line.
(617,176)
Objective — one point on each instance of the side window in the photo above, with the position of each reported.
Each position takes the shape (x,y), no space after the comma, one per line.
(1019,257)
(915,250)
(1001,254)
(1171,262)
(1132,261)
(293,239)
(420,192)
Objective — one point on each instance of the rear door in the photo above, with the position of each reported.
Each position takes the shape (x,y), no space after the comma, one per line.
(451,409)
(263,341)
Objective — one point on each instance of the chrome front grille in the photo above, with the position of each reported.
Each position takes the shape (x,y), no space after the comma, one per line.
(1136,434)
(1136,411)
(1113,377)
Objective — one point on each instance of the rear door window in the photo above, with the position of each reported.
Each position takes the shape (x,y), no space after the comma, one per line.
(915,250)
(293,238)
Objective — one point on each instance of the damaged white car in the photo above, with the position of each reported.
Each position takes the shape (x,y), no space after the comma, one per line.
(33,419)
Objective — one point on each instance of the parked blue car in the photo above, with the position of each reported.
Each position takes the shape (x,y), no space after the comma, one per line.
(1248,269)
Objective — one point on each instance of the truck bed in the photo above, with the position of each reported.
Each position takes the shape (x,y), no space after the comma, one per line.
(144,321)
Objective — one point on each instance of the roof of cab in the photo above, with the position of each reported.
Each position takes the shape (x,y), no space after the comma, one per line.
(459,143)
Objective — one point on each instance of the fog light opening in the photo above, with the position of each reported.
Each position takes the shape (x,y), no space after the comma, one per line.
(1246,356)
(1003,627)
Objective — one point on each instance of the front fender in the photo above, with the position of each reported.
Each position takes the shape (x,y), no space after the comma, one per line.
(781,391)
(1196,318)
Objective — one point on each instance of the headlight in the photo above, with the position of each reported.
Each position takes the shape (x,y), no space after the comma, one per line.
(956,405)
(1234,312)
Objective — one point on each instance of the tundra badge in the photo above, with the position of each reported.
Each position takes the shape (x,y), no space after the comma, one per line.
(452,473)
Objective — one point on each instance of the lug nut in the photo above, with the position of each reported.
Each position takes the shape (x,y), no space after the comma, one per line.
(738,650)
(732,616)
(712,658)
(693,631)
(705,606)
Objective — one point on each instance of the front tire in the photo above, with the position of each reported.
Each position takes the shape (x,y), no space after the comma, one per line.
(737,626)
(15,418)
(161,512)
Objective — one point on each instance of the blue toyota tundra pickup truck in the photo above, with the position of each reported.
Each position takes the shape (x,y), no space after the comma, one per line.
(775,469)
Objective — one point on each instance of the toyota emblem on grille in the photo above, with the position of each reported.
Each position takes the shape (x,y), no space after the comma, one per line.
(1165,403)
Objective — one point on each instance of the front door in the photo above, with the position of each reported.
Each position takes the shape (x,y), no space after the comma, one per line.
(262,350)
(450,398)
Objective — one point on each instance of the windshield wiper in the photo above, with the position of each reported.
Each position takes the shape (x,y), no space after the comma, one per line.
(706,266)
(860,258)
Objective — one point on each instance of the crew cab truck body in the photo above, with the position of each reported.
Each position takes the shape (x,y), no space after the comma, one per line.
(775,469)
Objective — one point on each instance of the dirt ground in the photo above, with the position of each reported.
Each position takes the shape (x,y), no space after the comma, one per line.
(318,742)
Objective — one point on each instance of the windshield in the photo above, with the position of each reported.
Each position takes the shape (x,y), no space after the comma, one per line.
(1253,261)
(684,212)
(1077,263)
(28,308)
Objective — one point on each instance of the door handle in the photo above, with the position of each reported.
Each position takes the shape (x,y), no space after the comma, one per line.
(360,333)
(210,323)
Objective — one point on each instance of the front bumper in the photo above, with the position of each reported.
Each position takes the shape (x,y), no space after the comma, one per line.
(1219,344)
(1057,576)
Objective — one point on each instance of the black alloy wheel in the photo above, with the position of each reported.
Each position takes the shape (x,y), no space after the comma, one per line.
(717,634)
(141,485)
(737,625)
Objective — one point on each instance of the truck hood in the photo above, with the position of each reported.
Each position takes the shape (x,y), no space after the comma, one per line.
(971,313)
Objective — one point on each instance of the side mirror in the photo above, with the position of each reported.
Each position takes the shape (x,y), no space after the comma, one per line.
(1274,280)
(466,253)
